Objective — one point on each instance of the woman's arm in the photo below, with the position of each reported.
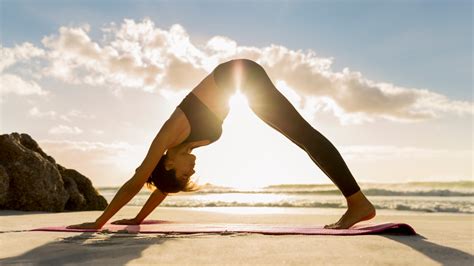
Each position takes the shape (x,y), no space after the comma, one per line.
(123,196)
(153,201)
(134,185)
(160,144)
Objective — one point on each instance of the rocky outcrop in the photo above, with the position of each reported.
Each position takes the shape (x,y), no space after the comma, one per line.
(4,185)
(31,180)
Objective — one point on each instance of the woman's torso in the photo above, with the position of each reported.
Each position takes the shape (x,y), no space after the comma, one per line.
(216,99)
(200,117)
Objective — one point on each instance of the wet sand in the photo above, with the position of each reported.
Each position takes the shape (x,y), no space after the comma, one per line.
(444,238)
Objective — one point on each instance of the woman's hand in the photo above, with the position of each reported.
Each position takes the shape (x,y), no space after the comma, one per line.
(132,221)
(84,226)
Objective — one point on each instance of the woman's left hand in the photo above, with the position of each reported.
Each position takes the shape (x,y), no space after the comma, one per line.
(84,226)
(132,221)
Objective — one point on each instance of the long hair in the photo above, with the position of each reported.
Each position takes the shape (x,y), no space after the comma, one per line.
(166,181)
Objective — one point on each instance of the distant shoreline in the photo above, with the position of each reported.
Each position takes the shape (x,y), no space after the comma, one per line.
(460,183)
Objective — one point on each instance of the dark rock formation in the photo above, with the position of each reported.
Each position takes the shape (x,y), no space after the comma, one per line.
(4,180)
(31,180)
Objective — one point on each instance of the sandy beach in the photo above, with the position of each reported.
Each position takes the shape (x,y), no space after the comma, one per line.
(444,239)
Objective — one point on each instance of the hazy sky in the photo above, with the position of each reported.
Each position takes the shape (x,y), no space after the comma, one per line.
(389,83)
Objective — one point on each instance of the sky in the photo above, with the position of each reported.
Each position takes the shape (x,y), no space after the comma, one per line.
(389,83)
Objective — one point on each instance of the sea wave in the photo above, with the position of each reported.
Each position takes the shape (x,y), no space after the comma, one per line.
(453,197)
(425,207)
(463,185)
(423,189)
(368,192)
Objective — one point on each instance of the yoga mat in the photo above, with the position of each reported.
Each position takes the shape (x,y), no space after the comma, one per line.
(160,226)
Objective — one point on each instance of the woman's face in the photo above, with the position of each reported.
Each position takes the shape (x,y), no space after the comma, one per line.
(183,162)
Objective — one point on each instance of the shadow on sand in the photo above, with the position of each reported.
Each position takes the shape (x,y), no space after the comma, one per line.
(89,248)
(17,213)
(100,248)
(439,253)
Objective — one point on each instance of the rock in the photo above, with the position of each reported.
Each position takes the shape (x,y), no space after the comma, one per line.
(31,144)
(82,195)
(31,180)
(4,185)
(35,182)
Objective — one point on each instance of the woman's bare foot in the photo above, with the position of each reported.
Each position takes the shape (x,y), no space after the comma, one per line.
(359,209)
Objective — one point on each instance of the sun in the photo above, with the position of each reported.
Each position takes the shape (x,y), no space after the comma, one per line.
(238,102)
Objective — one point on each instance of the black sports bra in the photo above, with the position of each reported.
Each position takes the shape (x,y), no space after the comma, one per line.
(205,125)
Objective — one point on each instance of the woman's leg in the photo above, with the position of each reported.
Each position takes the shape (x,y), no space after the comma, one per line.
(275,110)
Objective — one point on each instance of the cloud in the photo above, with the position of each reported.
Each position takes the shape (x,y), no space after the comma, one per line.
(76,113)
(353,98)
(35,112)
(139,55)
(386,152)
(13,84)
(97,131)
(24,52)
(104,163)
(63,129)
(95,151)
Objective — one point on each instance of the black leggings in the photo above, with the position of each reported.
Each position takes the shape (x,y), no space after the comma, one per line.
(274,109)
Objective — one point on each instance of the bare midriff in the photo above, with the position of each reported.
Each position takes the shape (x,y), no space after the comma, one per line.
(216,99)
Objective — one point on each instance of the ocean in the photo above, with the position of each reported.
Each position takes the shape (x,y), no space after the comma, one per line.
(449,197)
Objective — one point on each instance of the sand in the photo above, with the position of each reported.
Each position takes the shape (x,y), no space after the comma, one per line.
(444,239)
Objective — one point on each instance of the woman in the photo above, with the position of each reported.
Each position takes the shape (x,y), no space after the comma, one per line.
(197,121)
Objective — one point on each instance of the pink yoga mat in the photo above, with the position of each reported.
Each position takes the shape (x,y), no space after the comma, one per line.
(159,226)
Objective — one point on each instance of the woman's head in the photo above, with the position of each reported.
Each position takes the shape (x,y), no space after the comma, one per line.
(181,161)
(173,171)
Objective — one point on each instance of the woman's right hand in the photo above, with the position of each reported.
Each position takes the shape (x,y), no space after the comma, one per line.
(132,221)
(92,225)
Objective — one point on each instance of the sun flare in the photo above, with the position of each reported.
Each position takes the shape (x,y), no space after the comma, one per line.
(238,101)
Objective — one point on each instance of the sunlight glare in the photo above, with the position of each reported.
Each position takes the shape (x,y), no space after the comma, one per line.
(238,102)
(238,76)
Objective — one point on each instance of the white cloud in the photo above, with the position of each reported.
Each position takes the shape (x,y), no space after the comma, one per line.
(98,148)
(63,129)
(10,56)
(13,84)
(97,131)
(222,45)
(104,163)
(76,113)
(140,55)
(376,153)
(351,97)
(35,112)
